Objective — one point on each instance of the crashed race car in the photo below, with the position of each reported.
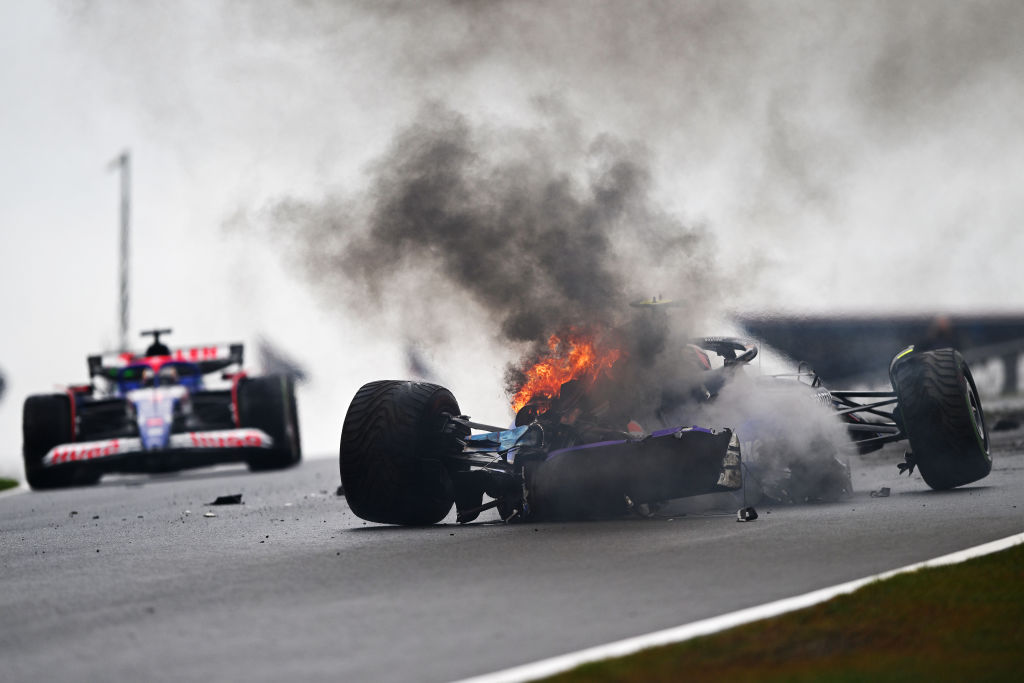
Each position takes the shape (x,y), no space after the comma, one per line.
(154,413)
(408,454)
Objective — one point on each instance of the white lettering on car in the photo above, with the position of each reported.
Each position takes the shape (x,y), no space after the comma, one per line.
(227,438)
(90,450)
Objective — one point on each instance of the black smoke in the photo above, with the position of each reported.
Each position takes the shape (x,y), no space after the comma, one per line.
(543,230)
(803,131)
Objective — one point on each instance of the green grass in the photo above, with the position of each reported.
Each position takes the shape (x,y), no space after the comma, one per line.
(7,483)
(957,623)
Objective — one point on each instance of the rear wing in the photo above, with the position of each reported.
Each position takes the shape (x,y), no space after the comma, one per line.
(210,359)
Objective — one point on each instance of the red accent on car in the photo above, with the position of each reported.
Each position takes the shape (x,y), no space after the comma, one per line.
(219,440)
(99,450)
(197,353)
(71,399)
(235,379)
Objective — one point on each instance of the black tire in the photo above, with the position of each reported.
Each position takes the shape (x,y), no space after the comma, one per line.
(46,422)
(942,416)
(268,403)
(391,454)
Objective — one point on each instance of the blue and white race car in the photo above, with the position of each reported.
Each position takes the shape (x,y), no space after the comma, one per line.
(154,413)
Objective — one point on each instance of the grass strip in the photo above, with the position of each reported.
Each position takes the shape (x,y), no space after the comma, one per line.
(953,623)
(6,483)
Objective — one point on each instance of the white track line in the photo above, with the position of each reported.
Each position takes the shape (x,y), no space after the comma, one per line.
(554,665)
(20,488)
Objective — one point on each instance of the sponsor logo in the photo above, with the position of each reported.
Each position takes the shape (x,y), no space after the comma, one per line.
(196,353)
(233,438)
(89,451)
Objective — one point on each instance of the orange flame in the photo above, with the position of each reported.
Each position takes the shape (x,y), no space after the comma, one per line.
(546,377)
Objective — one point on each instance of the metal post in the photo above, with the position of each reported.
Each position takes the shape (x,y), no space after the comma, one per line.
(124,164)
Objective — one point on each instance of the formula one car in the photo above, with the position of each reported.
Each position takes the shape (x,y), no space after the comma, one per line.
(408,454)
(154,413)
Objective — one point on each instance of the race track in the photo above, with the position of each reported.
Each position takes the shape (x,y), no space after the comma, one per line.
(129,581)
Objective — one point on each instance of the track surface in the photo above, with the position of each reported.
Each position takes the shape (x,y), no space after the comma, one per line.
(292,585)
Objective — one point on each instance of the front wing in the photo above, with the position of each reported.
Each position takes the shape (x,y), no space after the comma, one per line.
(188,449)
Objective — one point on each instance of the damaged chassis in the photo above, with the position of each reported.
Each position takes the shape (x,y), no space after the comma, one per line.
(408,454)
(527,480)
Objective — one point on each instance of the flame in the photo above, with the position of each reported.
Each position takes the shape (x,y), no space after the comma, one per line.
(576,357)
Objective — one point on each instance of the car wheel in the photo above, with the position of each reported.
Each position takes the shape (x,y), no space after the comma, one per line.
(391,448)
(268,403)
(46,422)
(942,417)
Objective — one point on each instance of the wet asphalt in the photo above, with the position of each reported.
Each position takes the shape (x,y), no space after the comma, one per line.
(133,580)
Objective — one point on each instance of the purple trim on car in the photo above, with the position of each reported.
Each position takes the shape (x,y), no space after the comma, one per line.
(601,444)
(673,430)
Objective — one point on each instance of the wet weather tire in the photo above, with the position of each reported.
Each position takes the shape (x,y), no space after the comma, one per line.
(46,422)
(392,448)
(268,403)
(942,416)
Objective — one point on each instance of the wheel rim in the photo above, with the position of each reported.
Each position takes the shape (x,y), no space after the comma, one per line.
(977,415)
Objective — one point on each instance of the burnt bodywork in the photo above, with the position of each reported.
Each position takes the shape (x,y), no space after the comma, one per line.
(576,466)
(528,477)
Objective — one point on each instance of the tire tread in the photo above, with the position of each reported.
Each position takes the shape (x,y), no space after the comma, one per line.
(390,452)
(931,387)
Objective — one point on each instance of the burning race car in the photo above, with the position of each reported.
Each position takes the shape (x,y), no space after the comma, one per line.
(577,450)
(153,413)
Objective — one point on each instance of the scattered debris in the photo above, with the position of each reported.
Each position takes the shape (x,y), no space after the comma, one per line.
(209,514)
(642,510)
(746,515)
(881,493)
(95,516)
(340,491)
(72,513)
(233,499)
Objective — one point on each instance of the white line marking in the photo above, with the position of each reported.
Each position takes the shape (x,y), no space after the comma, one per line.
(677,634)
(15,490)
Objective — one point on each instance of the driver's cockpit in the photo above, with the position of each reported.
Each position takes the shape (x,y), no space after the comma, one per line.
(167,376)
(142,376)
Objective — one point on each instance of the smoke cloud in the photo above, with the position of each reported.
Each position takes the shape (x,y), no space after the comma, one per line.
(540,228)
(801,132)
(455,170)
